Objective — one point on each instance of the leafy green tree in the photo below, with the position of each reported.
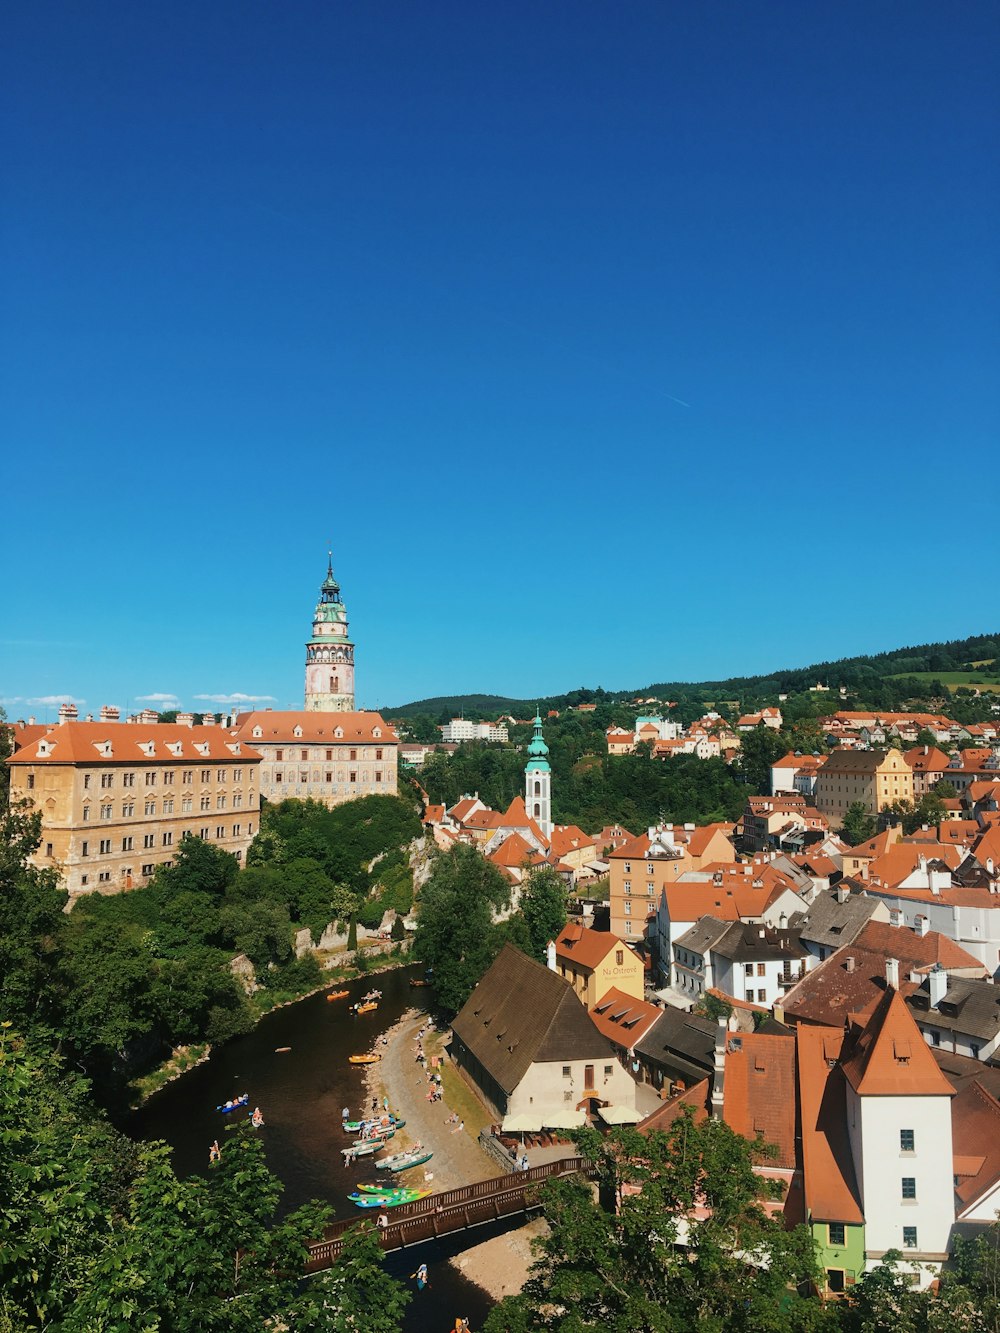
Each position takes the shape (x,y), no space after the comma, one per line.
(759,749)
(32,923)
(543,907)
(614,1262)
(859,825)
(456,931)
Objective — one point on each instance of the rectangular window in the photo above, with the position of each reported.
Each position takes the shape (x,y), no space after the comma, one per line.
(203,834)
(378,775)
(168,839)
(86,813)
(762,997)
(128,809)
(127,844)
(907,1140)
(279,755)
(220,831)
(608,1070)
(187,777)
(628,908)
(31,782)
(168,779)
(761,970)
(329,756)
(304,775)
(206,775)
(353,775)
(105,846)
(148,869)
(567,1071)
(329,776)
(279,776)
(168,805)
(86,782)
(220,775)
(237,775)
(48,849)
(836,1233)
(85,849)
(107,779)
(186,805)
(909,1187)
(105,811)
(237,830)
(149,840)
(220,802)
(909,1238)
(104,877)
(303,754)
(748,969)
(749,996)
(128,779)
(84,879)
(353,754)
(835,1279)
(150,779)
(206,802)
(150,807)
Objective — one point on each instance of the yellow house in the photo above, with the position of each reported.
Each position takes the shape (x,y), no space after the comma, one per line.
(641,867)
(871,778)
(116,798)
(595,961)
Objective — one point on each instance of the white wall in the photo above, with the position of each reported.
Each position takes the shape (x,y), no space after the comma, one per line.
(544,1088)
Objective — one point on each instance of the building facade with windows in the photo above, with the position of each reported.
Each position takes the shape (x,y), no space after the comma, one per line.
(117,798)
(871,778)
(319,756)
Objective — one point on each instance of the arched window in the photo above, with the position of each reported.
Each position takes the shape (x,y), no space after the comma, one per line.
(334,684)
(538,788)
(538,810)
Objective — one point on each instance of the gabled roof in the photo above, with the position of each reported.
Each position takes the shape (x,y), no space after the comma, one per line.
(832,923)
(568,838)
(512,852)
(622,1018)
(970,1005)
(829,1183)
(759,1091)
(586,948)
(682,1042)
(889,1057)
(521,1014)
(975,1133)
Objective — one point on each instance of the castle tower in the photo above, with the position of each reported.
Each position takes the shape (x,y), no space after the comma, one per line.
(330,653)
(538,780)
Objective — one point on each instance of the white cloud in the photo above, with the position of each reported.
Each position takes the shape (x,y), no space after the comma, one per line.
(54,700)
(236,698)
(158,698)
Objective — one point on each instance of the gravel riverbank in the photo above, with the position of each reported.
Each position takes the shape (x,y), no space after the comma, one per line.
(499,1265)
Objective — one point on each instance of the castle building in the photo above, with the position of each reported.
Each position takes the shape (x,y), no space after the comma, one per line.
(117,798)
(329,653)
(538,780)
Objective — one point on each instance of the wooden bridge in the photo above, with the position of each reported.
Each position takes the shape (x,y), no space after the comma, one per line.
(453,1210)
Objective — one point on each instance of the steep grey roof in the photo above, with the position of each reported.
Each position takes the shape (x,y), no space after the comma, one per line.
(702,935)
(744,942)
(845,760)
(832,923)
(968,1006)
(681,1040)
(521,1014)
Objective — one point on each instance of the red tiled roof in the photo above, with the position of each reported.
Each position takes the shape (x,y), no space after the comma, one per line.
(623,1019)
(889,1057)
(585,947)
(829,1183)
(129,742)
(316,727)
(759,1091)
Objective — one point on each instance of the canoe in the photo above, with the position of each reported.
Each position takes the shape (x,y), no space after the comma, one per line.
(338,995)
(359,1060)
(372,995)
(363,1149)
(416,981)
(366,1008)
(394,1192)
(382,1122)
(384,1201)
(280,1050)
(415,1159)
(235,1105)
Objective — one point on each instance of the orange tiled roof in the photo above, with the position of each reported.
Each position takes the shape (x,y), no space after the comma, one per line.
(585,947)
(829,1183)
(622,1018)
(889,1057)
(132,743)
(568,838)
(759,1091)
(512,852)
(903,858)
(316,727)
(975,1124)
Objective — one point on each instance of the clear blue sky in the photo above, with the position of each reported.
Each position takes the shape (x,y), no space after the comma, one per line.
(605,343)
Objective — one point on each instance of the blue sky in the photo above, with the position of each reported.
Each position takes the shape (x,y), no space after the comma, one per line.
(606,344)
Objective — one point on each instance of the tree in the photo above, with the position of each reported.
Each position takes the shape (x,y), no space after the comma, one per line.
(859,825)
(543,907)
(456,933)
(32,924)
(621,1262)
(759,749)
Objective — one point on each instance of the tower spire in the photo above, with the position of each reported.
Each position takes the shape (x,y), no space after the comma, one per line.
(538,778)
(330,653)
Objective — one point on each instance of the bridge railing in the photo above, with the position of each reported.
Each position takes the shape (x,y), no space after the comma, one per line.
(452,1210)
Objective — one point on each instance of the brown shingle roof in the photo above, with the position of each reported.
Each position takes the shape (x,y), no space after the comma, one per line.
(520,1014)
(759,1091)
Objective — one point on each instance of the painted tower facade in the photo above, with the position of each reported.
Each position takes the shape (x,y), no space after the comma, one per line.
(538,780)
(330,653)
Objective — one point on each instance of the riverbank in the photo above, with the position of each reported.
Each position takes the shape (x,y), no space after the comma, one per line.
(499,1265)
(262,1003)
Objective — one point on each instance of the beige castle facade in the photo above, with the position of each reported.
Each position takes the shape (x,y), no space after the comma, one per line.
(871,778)
(117,798)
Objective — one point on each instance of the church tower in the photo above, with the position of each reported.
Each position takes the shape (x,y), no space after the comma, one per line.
(330,653)
(538,780)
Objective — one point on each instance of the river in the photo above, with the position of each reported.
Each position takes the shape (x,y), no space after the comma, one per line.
(301,1093)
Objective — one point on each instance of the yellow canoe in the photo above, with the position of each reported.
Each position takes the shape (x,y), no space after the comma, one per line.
(363,1059)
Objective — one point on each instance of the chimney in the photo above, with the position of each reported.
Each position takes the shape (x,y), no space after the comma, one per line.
(921,925)
(938,985)
(550,955)
(109,713)
(849,963)
(68,712)
(779,1013)
(892,973)
(719,1069)
(842,892)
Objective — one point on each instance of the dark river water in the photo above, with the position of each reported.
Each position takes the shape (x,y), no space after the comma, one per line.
(301,1094)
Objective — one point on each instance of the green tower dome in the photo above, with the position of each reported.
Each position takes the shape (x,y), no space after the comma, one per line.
(538,751)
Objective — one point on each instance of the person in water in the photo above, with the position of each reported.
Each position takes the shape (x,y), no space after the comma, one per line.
(421,1276)
(215,1152)
(256,1119)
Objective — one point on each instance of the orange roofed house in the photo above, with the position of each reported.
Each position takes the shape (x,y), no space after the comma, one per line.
(642,866)
(594,961)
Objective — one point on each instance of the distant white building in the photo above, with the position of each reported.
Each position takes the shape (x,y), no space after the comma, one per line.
(461,729)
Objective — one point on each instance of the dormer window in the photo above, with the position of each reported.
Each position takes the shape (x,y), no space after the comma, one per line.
(339,733)
(297,731)
(258,732)
(377,733)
